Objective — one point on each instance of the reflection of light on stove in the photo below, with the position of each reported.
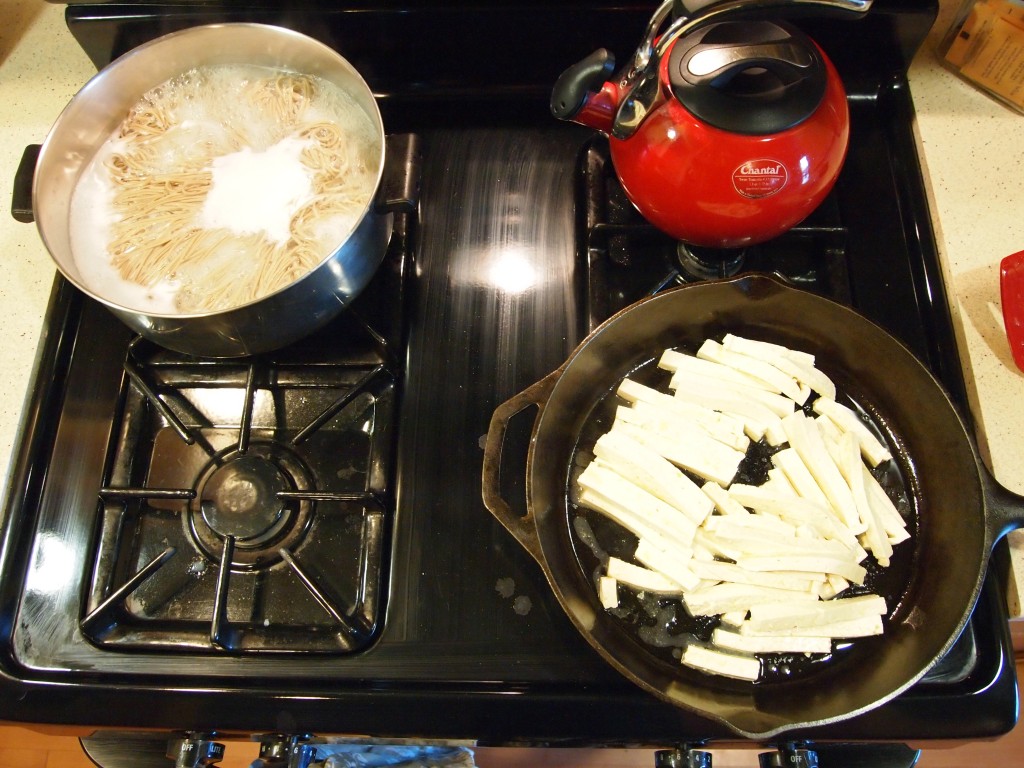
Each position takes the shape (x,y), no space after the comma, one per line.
(54,567)
(511,270)
(223,406)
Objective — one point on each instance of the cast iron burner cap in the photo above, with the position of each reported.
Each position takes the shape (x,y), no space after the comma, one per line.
(251,497)
(240,499)
(700,263)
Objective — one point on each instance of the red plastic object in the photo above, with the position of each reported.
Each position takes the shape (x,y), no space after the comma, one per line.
(1011,289)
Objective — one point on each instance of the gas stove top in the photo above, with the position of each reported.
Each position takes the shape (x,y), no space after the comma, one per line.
(365,589)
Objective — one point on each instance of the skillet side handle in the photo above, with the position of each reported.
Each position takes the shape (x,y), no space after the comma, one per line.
(1004,508)
(524,528)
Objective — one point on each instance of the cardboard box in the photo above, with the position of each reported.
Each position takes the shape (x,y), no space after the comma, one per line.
(985,46)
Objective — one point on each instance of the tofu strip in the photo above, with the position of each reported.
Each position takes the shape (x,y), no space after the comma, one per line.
(780,405)
(874,452)
(701,455)
(773,354)
(807,564)
(727,429)
(654,473)
(758,369)
(736,641)
(734,665)
(807,442)
(643,579)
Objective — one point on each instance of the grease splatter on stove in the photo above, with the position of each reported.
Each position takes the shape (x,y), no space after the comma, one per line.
(522,605)
(506,588)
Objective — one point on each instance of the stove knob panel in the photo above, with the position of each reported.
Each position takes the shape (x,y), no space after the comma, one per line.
(194,752)
(789,757)
(682,757)
(283,751)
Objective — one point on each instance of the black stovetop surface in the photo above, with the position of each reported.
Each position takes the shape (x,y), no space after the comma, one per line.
(473,644)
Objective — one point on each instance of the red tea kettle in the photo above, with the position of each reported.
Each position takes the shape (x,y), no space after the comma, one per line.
(725,130)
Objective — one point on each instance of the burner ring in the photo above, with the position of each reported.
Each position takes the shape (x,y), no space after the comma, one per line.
(237,496)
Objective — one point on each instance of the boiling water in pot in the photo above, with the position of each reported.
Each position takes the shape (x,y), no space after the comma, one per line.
(220,187)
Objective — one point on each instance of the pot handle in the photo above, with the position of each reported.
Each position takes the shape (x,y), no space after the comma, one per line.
(523,528)
(21,198)
(399,189)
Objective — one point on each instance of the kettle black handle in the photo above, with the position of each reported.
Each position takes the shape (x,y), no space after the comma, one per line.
(574,85)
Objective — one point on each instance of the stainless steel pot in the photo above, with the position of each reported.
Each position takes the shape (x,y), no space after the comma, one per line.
(267,323)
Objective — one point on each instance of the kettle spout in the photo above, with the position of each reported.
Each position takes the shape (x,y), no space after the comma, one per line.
(583,94)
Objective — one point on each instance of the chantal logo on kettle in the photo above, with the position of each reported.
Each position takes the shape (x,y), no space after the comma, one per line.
(760,178)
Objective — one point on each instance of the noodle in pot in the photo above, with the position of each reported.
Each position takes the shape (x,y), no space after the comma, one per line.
(222,186)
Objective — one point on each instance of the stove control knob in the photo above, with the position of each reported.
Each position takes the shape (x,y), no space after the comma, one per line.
(283,751)
(789,756)
(682,757)
(194,752)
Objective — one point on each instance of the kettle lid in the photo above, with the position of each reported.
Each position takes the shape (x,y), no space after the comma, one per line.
(748,77)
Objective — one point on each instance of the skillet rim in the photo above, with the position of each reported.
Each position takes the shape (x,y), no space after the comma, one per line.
(580,604)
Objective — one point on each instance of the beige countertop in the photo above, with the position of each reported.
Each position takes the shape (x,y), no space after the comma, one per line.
(969,143)
(41,68)
(974,161)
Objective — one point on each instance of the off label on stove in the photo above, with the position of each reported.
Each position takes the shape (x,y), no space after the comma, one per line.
(760,178)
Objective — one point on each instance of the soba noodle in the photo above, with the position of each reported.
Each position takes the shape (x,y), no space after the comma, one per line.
(222,186)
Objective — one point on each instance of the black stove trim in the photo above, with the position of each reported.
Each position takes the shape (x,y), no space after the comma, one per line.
(490,714)
(493,713)
(499,712)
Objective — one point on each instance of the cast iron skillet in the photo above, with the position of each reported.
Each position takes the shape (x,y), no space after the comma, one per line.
(956,510)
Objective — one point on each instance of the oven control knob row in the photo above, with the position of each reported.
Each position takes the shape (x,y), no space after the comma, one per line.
(686,756)
(692,756)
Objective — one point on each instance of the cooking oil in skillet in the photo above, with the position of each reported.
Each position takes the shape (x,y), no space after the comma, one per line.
(662,624)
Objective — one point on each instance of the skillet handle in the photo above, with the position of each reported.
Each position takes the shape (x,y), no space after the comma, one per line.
(523,528)
(1004,508)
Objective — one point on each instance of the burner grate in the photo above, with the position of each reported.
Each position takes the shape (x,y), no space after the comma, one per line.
(246,504)
(629,259)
